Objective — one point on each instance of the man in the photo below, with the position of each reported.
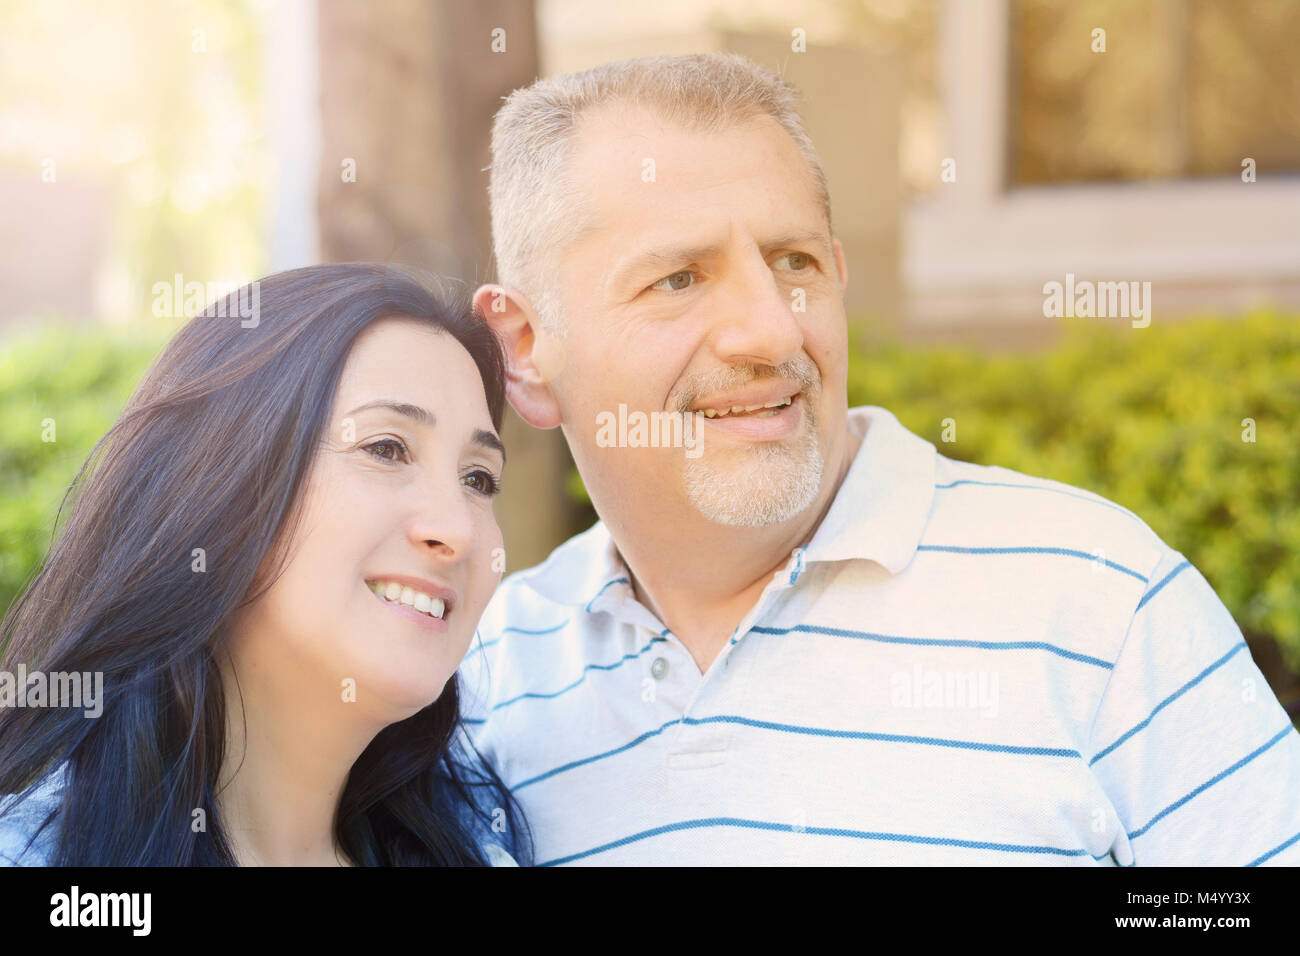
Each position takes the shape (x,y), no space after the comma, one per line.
(809,638)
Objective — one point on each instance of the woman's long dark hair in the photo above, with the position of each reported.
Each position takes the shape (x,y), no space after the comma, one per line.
(214,450)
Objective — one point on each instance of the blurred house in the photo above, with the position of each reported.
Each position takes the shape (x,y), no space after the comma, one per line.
(54,245)
(1165,148)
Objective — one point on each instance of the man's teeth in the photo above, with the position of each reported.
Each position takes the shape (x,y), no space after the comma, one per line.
(396,593)
(736,409)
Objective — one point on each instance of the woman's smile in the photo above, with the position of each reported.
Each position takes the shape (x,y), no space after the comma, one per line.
(422,602)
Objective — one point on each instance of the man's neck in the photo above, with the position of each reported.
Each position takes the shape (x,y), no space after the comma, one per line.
(701,578)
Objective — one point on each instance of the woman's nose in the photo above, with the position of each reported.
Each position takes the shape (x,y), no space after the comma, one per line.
(443,522)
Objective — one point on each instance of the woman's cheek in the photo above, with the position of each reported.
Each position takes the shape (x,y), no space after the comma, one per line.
(490,561)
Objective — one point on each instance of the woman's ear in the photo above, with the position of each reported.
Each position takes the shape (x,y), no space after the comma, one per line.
(510,315)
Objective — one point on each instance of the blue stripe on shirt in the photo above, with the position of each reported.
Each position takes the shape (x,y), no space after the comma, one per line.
(936,641)
(551,695)
(516,630)
(1169,700)
(1275,851)
(1068,552)
(1288,729)
(811,731)
(605,587)
(1055,491)
(709,822)
(1167,578)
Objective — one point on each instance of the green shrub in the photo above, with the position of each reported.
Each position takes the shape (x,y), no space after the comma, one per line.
(78,380)
(1151,419)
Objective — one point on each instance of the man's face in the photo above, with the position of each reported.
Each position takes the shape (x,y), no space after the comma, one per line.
(709,280)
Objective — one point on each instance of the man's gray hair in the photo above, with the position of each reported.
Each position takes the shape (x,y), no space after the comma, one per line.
(536,210)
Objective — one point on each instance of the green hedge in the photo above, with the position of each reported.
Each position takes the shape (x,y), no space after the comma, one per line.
(1149,418)
(80,378)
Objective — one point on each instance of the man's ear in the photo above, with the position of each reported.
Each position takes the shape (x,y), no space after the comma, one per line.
(841,265)
(510,315)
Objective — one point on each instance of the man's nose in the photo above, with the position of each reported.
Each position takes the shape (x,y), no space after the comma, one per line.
(756,321)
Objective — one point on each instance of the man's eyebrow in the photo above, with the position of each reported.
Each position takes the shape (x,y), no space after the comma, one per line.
(796,239)
(671,255)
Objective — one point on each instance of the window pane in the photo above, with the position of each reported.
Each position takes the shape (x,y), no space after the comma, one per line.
(1244,85)
(1077,115)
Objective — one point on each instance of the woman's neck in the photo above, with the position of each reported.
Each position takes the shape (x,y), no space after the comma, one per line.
(289,750)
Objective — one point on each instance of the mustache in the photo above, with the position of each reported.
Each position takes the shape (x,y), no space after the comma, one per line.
(800,370)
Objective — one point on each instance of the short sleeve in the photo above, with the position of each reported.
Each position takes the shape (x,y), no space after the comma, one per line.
(1199,759)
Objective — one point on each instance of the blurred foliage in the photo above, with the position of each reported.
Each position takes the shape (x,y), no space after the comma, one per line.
(161,104)
(80,378)
(1148,418)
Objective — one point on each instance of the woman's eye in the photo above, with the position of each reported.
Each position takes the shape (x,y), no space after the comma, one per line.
(483,481)
(798,260)
(394,444)
(675,282)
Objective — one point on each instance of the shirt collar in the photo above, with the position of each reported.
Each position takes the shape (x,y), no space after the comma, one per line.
(585,567)
(879,514)
(883,506)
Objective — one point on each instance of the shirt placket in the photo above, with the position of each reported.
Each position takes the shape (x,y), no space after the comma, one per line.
(705,741)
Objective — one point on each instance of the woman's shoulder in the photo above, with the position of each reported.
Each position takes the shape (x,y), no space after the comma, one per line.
(25,839)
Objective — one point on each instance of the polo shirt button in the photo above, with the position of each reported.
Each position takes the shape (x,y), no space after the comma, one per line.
(659,668)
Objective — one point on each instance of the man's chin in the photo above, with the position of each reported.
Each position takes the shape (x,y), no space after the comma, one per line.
(757,485)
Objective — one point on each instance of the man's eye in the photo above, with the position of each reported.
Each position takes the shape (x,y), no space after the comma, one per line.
(675,282)
(798,260)
(483,481)
(385,445)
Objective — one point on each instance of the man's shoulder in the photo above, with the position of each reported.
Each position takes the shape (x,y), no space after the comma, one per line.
(550,588)
(531,605)
(25,837)
(991,507)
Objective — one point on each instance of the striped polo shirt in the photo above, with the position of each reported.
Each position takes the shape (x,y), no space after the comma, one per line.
(965,666)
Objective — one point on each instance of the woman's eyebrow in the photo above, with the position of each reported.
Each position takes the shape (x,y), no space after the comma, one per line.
(414,412)
(481,436)
(487,439)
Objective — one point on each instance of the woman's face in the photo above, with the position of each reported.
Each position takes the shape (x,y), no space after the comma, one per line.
(398,551)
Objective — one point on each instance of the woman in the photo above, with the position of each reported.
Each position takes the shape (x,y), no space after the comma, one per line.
(276,559)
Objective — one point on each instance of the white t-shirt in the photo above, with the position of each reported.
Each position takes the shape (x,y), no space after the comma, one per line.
(966,666)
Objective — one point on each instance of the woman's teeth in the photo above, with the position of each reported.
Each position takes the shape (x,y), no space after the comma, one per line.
(395,593)
(741,409)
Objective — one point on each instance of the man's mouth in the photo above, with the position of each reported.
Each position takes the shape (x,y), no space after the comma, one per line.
(748,411)
(774,416)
